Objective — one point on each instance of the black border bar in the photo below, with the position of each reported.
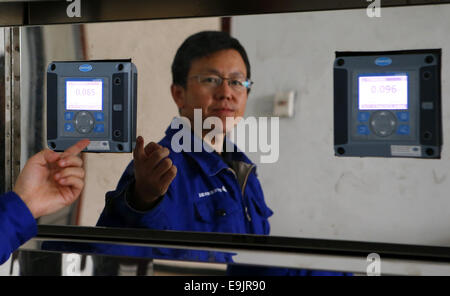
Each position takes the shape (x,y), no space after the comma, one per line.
(55,12)
(183,239)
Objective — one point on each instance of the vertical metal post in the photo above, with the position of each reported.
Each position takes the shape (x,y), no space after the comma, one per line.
(15,105)
(11,103)
(3,167)
(7,104)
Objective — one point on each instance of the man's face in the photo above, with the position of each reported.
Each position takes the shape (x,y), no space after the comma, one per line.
(222,101)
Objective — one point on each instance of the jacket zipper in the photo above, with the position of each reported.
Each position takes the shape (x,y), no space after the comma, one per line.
(243,190)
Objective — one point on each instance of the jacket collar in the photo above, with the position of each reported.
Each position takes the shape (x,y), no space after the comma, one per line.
(208,159)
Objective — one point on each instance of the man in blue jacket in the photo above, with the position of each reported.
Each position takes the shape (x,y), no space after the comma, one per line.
(210,189)
(191,190)
(48,182)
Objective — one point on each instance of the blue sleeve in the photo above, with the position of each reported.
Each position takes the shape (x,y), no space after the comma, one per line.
(118,213)
(17,224)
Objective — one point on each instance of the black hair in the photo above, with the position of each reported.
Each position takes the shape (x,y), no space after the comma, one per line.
(201,45)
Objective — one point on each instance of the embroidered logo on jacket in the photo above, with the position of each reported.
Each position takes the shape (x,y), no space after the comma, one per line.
(203,194)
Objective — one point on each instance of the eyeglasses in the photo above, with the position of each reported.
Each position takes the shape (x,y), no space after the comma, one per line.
(214,81)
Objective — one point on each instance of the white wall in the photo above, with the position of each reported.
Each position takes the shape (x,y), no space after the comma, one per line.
(313,193)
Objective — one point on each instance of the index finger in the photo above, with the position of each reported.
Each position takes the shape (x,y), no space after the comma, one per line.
(77,148)
(152,146)
(138,152)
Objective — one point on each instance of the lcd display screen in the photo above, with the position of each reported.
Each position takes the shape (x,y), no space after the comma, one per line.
(383,92)
(84,94)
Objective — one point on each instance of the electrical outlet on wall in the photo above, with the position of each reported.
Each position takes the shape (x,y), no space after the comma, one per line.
(283,105)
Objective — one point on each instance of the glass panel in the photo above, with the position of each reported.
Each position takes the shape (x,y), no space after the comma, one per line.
(312,194)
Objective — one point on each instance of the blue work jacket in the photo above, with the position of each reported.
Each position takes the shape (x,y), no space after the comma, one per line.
(17,224)
(206,195)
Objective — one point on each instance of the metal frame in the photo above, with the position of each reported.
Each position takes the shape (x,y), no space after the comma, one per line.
(145,237)
(10,107)
(3,141)
(321,254)
(7,109)
(36,12)
(15,104)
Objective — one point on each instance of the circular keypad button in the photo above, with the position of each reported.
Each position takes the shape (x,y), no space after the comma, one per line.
(383,123)
(84,122)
